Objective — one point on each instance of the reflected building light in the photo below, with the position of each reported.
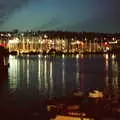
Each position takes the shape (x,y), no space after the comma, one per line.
(106,57)
(51,78)
(28,73)
(115,82)
(106,65)
(115,74)
(113,56)
(11,57)
(82,56)
(114,66)
(63,76)
(77,73)
(63,56)
(107,80)
(24,73)
(45,74)
(13,73)
(39,73)
(77,56)
(39,56)
(106,69)
(106,62)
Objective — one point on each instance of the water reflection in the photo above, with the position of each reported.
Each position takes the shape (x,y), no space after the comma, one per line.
(112,66)
(14,65)
(58,76)
(51,79)
(28,72)
(63,76)
(77,72)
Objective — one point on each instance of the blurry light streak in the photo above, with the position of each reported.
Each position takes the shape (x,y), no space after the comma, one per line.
(63,76)
(28,62)
(39,73)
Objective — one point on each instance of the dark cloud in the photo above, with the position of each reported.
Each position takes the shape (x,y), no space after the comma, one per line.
(51,24)
(108,22)
(7,7)
(105,15)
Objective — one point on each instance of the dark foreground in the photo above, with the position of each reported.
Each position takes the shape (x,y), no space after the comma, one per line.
(23,110)
(14,108)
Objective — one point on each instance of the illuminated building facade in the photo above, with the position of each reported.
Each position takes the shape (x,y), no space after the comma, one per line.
(39,44)
(26,43)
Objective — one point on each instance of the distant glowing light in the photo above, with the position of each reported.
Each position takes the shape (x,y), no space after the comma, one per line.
(82,43)
(72,39)
(45,36)
(78,42)
(39,56)
(2,35)
(113,42)
(85,39)
(113,38)
(22,34)
(9,35)
(28,40)
(14,41)
(106,43)
(50,41)
(107,48)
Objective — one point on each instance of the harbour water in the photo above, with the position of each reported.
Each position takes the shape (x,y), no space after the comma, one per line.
(56,76)
(32,78)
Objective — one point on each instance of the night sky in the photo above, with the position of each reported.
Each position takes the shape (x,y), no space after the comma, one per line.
(70,15)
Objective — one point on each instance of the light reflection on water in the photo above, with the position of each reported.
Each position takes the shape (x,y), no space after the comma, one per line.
(58,76)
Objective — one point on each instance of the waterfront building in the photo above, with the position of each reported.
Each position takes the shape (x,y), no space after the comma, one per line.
(33,42)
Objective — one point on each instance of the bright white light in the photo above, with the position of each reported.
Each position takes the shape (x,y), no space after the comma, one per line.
(85,39)
(45,36)
(113,56)
(63,41)
(2,35)
(78,42)
(113,38)
(27,40)
(50,41)
(72,39)
(106,56)
(41,42)
(107,48)
(9,35)
(63,56)
(113,42)
(14,41)
(77,56)
(39,56)
(22,34)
